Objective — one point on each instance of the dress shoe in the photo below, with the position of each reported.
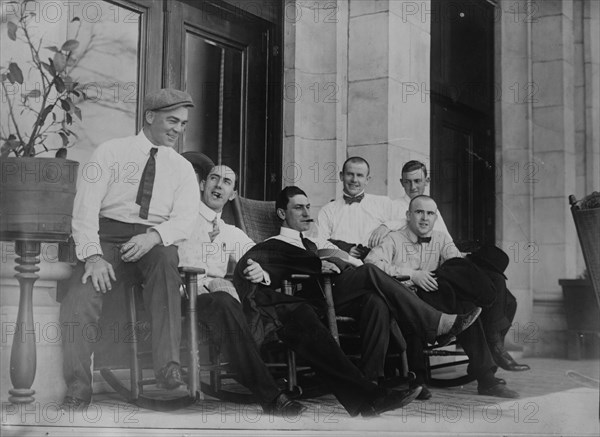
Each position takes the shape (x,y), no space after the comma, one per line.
(504,360)
(392,400)
(425,393)
(169,377)
(73,403)
(462,322)
(284,406)
(498,390)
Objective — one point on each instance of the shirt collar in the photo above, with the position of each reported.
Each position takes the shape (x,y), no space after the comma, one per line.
(290,233)
(412,236)
(208,213)
(344,194)
(144,144)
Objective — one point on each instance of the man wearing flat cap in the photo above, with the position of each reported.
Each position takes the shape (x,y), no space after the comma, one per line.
(139,201)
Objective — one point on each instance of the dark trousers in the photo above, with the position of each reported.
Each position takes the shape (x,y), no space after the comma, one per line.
(304,333)
(81,308)
(472,339)
(223,323)
(373,316)
(414,316)
(498,318)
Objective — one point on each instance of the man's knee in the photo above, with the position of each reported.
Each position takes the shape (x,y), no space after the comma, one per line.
(373,304)
(163,257)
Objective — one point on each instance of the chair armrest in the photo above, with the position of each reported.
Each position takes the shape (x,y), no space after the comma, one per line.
(402,278)
(196,270)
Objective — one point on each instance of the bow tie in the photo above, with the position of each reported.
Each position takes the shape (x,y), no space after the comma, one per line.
(421,240)
(350,200)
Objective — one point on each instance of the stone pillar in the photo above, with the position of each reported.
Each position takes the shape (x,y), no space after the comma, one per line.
(388,87)
(311,97)
(514,155)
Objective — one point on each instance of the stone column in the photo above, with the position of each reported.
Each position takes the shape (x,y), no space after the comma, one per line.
(312,96)
(388,87)
(514,155)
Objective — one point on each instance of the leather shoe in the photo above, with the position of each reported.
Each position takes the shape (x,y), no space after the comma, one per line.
(462,322)
(284,406)
(498,390)
(169,377)
(425,393)
(73,403)
(392,400)
(504,360)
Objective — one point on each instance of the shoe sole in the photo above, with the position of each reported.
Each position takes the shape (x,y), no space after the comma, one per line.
(444,341)
(402,402)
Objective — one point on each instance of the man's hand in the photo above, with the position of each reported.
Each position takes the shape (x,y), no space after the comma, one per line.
(254,272)
(355,252)
(425,280)
(100,272)
(378,235)
(139,245)
(329,267)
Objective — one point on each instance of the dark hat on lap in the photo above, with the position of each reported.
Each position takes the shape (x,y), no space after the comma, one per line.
(490,257)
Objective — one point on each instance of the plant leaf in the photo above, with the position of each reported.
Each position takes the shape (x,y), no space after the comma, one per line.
(60,62)
(77,112)
(69,118)
(75,19)
(70,45)
(15,72)
(66,105)
(60,85)
(34,94)
(12,30)
(53,49)
(45,113)
(61,153)
(51,70)
(65,139)
(10,78)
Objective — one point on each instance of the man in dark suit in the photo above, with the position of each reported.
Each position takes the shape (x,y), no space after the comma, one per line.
(294,321)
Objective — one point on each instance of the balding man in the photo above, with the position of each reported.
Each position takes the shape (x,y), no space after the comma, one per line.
(441,277)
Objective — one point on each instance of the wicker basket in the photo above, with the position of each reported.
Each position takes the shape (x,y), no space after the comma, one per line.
(587,223)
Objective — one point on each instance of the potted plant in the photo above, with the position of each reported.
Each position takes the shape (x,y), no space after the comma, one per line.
(37,194)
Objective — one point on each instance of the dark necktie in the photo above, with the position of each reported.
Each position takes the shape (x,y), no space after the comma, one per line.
(422,240)
(146,184)
(350,200)
(309,245)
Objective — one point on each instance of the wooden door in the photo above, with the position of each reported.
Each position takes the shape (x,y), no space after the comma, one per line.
(221,56)
(462,118)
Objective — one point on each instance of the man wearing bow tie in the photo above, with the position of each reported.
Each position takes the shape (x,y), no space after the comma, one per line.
(442,278)
(358,221)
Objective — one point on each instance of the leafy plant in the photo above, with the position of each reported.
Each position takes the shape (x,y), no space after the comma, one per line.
(49,108)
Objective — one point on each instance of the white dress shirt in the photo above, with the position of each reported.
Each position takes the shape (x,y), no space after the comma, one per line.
(231,243)
(354,223)
(401,255)
(293,237)
(108,186)
(403,204)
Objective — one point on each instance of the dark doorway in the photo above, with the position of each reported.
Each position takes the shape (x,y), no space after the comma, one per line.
(225,58)
(462,118)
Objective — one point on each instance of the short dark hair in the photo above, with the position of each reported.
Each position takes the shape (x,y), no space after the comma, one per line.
(356,160)
(283,198)
(420,196)
(413,166)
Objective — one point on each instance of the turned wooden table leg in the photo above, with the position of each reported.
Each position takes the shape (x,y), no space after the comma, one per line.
(23,354)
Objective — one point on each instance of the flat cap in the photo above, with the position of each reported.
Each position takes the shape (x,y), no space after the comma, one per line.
(166,99)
